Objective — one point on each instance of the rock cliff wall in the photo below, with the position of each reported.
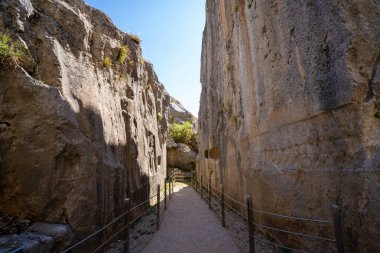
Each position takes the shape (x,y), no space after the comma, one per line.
(179,155)
(178,113)
(290,90)
(79,127)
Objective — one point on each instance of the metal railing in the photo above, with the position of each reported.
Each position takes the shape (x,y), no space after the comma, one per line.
(222,200)
(124,218)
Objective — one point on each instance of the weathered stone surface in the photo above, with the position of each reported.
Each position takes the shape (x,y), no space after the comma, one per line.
(178,113)
(61,234)
(289,94)
(12,225)
(76,137)
(39,238)
(26,242)
(180,156)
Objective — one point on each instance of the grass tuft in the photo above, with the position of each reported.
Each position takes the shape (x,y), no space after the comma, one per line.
(124,52)
(135,38)
(11,52)
(107,62)
(131,63)
(159,117)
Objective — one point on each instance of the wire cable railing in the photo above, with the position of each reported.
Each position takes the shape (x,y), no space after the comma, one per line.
(136,230)
(278,245)
(223,200)
(124,215)
(294,233)
(292,217)
(109,239)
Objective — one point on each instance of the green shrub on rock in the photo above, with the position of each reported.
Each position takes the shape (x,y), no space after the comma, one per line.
(124,52)
(135,38)
(10,51)
(181,133)
(159,117)
(107,62)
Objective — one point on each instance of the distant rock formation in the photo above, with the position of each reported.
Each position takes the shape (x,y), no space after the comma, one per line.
(182,155)
(290,108)
(178,113)
(79,127)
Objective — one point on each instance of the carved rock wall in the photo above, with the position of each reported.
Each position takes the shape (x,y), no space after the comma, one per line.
(76,137)
(289,94)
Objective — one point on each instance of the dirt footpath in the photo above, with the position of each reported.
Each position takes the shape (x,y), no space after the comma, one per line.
(189,226)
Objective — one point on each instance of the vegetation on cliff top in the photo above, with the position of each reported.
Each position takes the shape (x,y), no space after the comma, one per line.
(135,38)
(181,133)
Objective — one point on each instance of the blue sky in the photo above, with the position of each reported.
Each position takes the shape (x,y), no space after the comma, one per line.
(171,31)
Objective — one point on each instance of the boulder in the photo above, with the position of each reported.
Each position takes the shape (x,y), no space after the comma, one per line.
(178,113)
(26,242)
(181,156)
(61,234)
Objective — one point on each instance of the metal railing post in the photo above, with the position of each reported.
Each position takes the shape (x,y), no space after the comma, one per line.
(158,207)
(191,178)
(209,192)
(201,187)
(335,210)
(251,225)
(126,224)
(170,194)
(166,181)
(173,181)
(222,205)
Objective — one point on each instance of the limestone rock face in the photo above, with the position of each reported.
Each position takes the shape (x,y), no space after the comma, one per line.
(289,94)
(76,136)
(178,113)
(180,156)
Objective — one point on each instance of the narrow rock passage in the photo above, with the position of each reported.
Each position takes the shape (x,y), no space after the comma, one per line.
(189,226)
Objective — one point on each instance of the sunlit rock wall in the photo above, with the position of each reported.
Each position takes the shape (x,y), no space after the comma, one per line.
(290,90)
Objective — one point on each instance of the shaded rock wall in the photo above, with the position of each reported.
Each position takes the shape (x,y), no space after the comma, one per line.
(76,137)
(289,94)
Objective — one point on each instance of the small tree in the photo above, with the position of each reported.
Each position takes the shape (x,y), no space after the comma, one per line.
(181,133)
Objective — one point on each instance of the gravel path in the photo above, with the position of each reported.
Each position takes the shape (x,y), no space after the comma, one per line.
(189,226)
